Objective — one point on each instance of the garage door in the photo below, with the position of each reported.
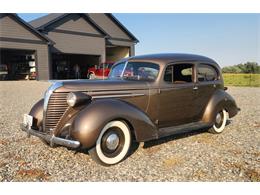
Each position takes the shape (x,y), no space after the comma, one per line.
(17,64)
(73,66)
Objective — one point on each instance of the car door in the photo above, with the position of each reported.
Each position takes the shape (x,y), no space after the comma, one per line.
(207,82)
(177,94)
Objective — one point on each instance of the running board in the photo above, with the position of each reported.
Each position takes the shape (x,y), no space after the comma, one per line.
(166,131)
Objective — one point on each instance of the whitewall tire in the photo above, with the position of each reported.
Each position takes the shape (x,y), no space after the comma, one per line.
(113,144)
(92,76)
(220,122)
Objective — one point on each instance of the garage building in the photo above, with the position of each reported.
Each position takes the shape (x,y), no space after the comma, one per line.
(61,45)
(21,46)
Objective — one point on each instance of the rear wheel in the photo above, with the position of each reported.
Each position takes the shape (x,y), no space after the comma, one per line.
(113,144)
(220,122)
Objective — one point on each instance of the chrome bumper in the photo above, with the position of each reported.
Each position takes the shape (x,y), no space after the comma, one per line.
(50,138)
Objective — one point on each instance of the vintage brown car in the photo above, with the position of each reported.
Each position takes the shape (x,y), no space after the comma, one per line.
(145,98)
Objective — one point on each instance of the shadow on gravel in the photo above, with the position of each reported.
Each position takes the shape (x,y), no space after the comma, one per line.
(149,144)
(134,147)
(176,136)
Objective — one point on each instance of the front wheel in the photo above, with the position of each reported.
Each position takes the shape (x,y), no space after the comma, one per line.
(220,122)
(113,144)
(91,76)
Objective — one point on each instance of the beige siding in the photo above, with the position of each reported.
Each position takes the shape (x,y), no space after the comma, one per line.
(121,43)
(132,50)
(79,25)
(41,55)
(77,44)
(12,29)
(108,25)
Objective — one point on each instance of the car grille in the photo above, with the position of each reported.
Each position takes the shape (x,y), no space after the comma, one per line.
(57,105)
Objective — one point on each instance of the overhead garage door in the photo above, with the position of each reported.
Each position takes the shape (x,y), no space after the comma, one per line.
(20,64)
(39,51)
(73,66)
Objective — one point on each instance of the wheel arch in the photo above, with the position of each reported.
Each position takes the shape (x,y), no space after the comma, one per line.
(37,112)
(219,100)
(89,122)
(90,73)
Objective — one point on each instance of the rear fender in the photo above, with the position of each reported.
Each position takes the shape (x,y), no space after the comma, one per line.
(219,100)
(89,122)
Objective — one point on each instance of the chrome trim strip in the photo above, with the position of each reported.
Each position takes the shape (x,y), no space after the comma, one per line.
(47,96)
(64,142)
(115,96)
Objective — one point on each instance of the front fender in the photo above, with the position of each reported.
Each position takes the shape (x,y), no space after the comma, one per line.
(219,100)
(89,122)
(37,113)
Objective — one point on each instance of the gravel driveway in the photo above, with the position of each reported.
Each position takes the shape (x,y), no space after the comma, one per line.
(233,155)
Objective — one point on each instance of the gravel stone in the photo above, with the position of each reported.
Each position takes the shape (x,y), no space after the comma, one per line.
(233,155)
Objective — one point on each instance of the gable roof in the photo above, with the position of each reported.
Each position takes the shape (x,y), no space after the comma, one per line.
(44,21)
(122,27)
(28,27)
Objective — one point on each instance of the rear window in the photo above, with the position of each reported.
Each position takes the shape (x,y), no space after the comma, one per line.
(207,73)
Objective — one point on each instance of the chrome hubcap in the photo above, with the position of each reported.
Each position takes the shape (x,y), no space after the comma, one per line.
(218,118)
(112,141)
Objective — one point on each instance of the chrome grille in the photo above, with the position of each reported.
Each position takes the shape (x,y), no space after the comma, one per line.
(56,107)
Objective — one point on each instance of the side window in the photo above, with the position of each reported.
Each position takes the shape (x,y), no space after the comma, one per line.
(182,73)
(179,73)
(206,73)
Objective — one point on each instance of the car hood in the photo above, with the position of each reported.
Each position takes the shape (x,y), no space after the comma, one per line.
(133,92)
(101,85)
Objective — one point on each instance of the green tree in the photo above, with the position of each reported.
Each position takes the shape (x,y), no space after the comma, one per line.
(248,67)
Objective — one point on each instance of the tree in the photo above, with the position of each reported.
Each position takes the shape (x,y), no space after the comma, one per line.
(248,67)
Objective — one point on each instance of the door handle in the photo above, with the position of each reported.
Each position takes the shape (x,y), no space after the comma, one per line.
(195,88)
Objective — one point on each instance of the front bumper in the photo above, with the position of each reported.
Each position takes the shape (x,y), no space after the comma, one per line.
(51,138)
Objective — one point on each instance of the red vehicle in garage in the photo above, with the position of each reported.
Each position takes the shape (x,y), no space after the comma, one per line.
(100,71)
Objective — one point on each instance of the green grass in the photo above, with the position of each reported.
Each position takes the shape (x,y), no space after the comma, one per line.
(250,80)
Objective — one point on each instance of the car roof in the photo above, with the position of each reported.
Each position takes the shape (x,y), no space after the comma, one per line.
(165,58)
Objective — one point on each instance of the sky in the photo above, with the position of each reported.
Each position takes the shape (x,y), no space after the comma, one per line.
(227,38)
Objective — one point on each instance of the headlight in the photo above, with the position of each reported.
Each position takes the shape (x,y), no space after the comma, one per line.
(77,98)
(71,99)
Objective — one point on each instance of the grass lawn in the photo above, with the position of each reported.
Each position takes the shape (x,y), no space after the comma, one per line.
(250,80)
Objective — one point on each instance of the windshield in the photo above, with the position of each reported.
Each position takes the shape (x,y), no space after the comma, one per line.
(135,71)
(116,71)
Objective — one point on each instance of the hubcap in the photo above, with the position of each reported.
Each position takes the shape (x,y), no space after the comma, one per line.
(218,118)
(112,141)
